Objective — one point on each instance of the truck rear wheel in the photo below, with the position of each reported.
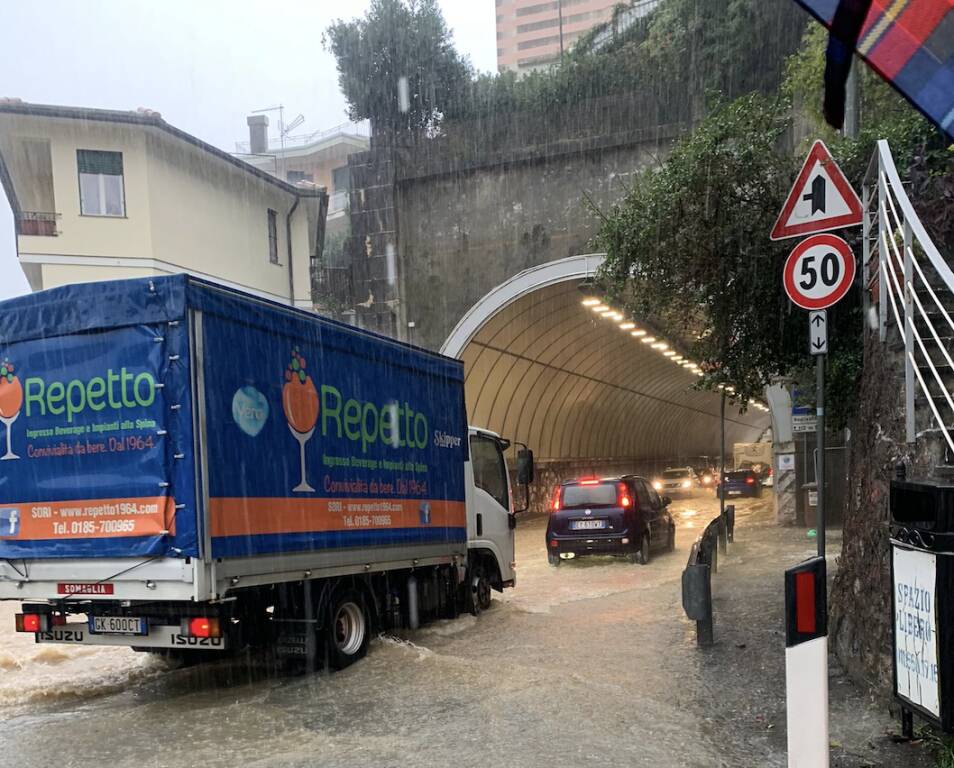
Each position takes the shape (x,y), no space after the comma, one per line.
(348,630)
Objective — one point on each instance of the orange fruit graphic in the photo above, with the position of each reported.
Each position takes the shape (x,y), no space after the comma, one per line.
(300,403)
(11,397)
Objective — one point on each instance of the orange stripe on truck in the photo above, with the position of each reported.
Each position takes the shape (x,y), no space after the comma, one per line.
(256,516)
(89,519)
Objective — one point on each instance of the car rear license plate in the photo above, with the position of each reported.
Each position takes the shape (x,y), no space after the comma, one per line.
(117,625)
(587,525)
(735,493)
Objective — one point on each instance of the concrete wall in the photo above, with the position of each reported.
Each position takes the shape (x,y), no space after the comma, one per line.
(463,233)
(209,216)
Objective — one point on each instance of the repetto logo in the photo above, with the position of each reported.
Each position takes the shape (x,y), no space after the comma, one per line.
(363,422)
(11,401)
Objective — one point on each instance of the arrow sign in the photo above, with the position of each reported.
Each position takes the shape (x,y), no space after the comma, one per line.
(821,199)
(818,332)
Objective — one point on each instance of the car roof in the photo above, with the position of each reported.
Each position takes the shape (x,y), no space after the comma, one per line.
(610,479)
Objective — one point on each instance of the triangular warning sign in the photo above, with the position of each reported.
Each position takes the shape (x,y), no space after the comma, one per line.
(821,199)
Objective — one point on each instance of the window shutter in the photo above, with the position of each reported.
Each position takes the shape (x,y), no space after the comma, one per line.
(96,162)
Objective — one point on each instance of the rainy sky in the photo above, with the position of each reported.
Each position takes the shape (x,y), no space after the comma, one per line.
(203,65)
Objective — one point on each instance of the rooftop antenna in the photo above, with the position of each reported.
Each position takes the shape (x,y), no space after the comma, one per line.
(283,131)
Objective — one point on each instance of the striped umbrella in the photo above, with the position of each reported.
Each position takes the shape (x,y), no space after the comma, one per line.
(910,43)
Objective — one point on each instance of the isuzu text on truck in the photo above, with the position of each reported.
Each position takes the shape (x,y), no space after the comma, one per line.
(190,468)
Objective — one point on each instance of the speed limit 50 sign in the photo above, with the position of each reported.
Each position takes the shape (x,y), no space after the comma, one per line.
(819,271)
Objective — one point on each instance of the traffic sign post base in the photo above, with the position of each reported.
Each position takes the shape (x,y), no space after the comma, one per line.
(806,704)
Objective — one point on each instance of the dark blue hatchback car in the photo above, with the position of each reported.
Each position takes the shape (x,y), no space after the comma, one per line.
(609,516)
(742,482)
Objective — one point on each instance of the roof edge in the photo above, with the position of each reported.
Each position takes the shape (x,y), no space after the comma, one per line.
(152,120)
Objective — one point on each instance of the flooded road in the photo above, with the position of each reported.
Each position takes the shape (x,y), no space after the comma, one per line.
(592,663)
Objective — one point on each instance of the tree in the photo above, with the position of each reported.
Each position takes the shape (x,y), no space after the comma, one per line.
(688,248)
(397,41)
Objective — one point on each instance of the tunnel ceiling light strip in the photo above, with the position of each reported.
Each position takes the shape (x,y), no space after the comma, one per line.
(616,316)
(607,312)
(660,345)
(599,307)
(669,353)
(637,333)
(648,339)
(590,302)
(626,326)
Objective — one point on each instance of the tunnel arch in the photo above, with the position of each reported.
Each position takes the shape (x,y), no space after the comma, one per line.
(543,369)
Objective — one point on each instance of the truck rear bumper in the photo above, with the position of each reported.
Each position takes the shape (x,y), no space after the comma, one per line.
(75,633)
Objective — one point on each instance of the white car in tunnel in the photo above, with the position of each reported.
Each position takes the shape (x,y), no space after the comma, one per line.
(678,481)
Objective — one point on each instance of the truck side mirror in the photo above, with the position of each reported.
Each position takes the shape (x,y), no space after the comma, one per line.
(524,466)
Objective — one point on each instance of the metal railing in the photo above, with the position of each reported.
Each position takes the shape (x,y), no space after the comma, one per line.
(42,223)
(907,275)
(361,130)
(337,201)
(697,576)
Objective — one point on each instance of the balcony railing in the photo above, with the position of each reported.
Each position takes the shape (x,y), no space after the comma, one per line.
(41,223)
(337,201)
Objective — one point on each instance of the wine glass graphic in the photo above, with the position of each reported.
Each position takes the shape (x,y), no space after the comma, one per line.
(11,400)
(300,403)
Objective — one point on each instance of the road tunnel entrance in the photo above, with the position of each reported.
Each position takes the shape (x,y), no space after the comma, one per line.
(588,391)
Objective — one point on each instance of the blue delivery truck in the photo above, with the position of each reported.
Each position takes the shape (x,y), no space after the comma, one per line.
(188,468)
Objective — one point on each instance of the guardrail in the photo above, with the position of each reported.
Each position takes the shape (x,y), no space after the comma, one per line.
(906,274)
(697,576)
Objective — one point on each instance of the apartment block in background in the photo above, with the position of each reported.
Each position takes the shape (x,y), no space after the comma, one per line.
(103,194)
(533,35)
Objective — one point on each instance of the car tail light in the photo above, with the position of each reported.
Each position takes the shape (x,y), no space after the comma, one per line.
(557,498)
(32,622)
(553,543)
(201,627)
(622,497)
(769,472)
(750,481)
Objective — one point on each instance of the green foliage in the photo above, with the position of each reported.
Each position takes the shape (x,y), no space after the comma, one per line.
(397,39)
(688,248)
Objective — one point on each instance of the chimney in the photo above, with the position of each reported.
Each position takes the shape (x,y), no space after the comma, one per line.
(257,134)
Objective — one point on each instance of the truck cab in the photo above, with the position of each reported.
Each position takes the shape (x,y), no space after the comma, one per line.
(490,512)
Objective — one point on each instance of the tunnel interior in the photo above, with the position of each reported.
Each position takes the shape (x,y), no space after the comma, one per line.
(588,393)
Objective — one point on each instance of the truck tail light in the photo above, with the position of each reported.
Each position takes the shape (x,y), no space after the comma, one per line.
(32,622)
(201,627)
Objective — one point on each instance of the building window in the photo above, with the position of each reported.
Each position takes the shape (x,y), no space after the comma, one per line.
(272,236)
(101,183)
(539,42)
(295,177)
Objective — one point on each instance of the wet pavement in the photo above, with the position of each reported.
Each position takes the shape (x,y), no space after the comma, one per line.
(591,663)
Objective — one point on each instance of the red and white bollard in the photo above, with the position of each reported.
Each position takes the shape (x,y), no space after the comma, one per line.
(806,664)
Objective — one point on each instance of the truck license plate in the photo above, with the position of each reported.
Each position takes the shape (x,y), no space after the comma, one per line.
(117,625)
(587,525)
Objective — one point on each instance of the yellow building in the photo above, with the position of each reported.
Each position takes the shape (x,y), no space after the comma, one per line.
(101,194)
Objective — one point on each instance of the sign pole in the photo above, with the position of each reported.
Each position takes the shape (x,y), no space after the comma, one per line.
(820,444)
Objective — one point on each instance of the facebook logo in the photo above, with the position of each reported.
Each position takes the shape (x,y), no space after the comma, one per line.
(9,522)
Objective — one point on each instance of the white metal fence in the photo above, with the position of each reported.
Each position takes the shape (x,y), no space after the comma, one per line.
(913,286)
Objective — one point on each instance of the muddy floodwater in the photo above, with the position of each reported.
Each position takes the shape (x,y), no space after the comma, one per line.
(591,663)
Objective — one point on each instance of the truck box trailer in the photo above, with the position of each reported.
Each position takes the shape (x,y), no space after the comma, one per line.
(190,467)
